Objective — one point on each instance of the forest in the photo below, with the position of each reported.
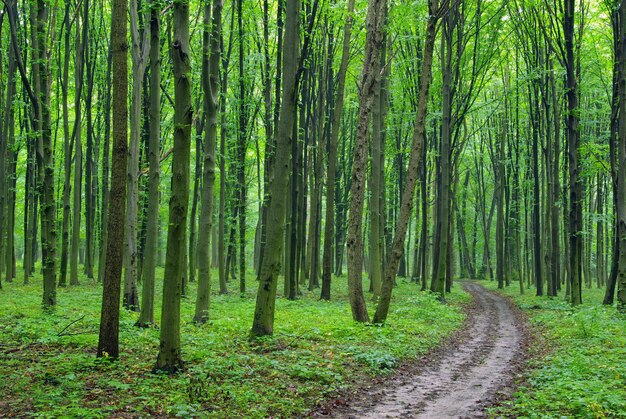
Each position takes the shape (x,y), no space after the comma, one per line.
(313,208)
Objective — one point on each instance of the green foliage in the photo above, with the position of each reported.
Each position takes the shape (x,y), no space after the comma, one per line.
(377,360)
(316,351)
(583,374)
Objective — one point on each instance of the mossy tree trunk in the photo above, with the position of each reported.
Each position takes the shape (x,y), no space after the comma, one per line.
(211,55)
(170,357)
(416,157)
(146,316)
(263,323)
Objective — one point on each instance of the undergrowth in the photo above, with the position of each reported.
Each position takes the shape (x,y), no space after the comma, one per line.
(49,367)
(583,373)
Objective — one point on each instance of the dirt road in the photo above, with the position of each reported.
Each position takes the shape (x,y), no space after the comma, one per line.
(467,373)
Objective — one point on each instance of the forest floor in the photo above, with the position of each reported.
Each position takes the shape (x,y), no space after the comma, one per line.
(576,365)
(48,366)
(473,369)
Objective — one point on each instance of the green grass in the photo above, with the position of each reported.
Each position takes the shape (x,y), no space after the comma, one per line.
(583,374)
(317,349)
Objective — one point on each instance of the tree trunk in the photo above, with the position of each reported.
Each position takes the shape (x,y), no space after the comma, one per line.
(241,153)
(375,23)
(329,226)
(500,238)
(393,258)
(146,316)
(536,227)
(621,166)
(45,153)
(79,61)
(170,357)
(105,172)
(7,122)
(263,323)
(91,185)
(109,317)
(443,190)
(210,68)
(139,52)
(573,140)
(376,238)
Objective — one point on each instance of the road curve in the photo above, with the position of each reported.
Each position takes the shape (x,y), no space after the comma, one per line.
(470,373)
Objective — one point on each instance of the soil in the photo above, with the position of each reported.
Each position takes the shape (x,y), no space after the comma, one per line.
(477,367)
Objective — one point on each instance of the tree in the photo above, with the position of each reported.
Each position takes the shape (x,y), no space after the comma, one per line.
(263,322)
(621,159)
(140,48)
(211,55)
(108,340)
(329,226)
(572,122)
(170,357)
(146,316)
(436,12)
(79,66)
(370,77)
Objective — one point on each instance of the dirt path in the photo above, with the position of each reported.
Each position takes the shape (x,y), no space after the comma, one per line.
(466,374)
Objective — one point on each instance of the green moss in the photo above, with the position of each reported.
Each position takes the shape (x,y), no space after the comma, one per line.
(316,350)
(583,374)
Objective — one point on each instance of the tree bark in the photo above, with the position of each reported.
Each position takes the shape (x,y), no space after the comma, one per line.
(397,249)
(77,133)
(370,77)
(139,52)
(442,234)
(170,357)
(108,345)
(573,140)
(329,226)
(210,68)
(621,165)
(146,316)
(263,323)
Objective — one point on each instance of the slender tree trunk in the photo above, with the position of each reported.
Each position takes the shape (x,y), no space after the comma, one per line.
(263,323)
(139,52)
(621,165)
(573,140)
(556,262)
(222,267)
(109,318)
(443,190)
(241,153)
(397,249)
(500,239)
(329,226)
(105,172)
(67,153)
(376,238)
(79,61)
(45,154)
(600,274)
(90,183)
(170,357)
(536,197)
(375,23)
(210,68)
(6,142)
(609,293)
(146,316)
